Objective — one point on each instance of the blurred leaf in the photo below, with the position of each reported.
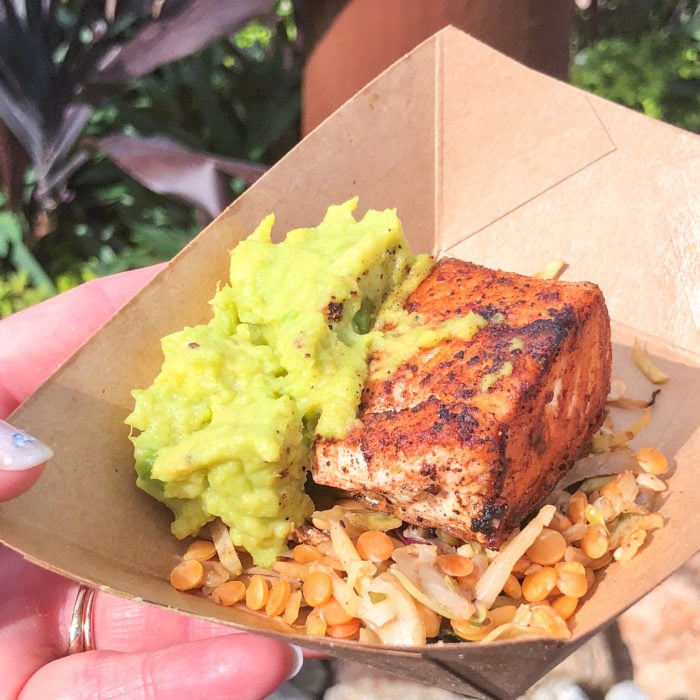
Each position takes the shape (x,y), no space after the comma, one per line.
(16,293)
(23,120)
(75,117)
(167,167)
(197,26)
(152,243)
(236,97)
(12,245)
(47,51)
(13,165)
(692,25)
(656,72)
(57,163)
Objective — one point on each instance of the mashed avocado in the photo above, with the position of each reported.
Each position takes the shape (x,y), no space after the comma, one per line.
(398,332)
(226,428)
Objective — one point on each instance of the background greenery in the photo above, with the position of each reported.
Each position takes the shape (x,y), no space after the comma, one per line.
(240,98)
(644,54)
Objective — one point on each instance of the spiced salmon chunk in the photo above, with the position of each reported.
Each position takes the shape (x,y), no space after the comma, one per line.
(473,424)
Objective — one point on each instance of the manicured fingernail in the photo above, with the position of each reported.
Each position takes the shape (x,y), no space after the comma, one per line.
(20,451)
(298,663)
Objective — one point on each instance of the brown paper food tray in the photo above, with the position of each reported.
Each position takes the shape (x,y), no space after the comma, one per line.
(486,160)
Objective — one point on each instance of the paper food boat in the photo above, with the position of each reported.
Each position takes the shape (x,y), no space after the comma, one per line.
(485,160)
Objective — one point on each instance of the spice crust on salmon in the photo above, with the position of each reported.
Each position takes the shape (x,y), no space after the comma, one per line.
(472,430)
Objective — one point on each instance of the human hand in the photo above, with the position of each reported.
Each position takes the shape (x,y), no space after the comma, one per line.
(35,341)
(140,651)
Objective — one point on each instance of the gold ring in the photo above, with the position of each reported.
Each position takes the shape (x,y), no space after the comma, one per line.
(80,632)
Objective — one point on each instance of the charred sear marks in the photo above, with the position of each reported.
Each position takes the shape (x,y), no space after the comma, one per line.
(334,311)
(498,474)
(429,474)
(468,435)
(428,471)
(537,441)
(489,521)
(549,296)
(462,418)
(488,311)
(543,338)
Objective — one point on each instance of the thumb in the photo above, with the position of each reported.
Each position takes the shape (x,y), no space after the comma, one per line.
(22,460)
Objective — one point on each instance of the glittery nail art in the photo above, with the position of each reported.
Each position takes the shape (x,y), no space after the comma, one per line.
(19,451)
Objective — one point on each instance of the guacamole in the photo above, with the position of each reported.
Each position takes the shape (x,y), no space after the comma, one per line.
(398,332)
(226,428)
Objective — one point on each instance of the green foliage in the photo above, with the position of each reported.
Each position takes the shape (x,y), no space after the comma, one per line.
(14,249)
(626,19)
(226,99)
(29,283)
(652,67)
(17,292)
(238,97)
(658,75)
(113,224)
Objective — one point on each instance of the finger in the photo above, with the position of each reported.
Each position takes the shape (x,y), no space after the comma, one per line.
(120,624)
(35,341)
(32,629)
(240,666)
(123,625)
(13,484)
(21,460)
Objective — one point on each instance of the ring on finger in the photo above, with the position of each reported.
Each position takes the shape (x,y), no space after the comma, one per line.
(81,631)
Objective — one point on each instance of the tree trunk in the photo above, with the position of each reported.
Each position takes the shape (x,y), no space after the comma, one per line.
(369,35)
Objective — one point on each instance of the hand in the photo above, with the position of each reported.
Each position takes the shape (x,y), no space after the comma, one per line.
(141,651)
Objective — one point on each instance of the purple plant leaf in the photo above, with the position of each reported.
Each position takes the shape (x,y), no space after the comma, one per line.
(169,38)
(169,168)
(58,176)
(25,122)
(75,117)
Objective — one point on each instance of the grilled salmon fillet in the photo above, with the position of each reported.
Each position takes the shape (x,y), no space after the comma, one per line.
(469,434)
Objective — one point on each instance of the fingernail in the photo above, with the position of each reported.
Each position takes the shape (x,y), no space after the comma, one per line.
(298,663)
(19,451)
